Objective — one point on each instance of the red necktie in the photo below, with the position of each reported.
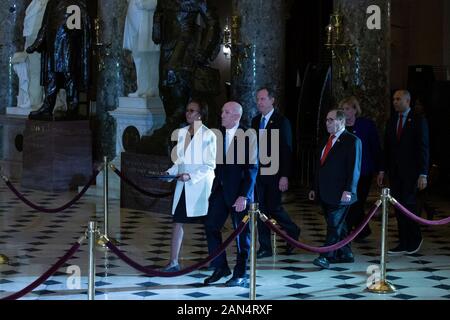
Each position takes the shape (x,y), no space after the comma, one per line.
(327,149)
(400,126)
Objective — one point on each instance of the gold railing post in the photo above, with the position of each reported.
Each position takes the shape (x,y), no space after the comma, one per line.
(383,286)
(253,212)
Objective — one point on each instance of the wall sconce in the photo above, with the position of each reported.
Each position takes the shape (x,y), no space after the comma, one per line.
(340,50)
(226,42)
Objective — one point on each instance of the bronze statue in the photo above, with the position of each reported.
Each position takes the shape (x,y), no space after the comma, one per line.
(189,35)
(65,56)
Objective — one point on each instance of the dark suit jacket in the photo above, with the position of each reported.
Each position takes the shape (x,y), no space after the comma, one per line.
(408,157)
(340,171)
(366,130)
(237,179)
(280,122)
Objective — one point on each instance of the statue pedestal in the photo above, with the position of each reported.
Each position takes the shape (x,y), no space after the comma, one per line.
(135,167)
(135,118)
(57,156)
(16,111)
(12,129)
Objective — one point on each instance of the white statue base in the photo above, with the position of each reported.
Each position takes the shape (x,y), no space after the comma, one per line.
(146,114)
(16,111)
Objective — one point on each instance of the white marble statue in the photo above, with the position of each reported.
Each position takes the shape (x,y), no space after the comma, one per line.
(28,66)
(138,39)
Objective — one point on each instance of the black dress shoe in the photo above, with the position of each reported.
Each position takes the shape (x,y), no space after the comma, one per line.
(237,282)
(289,250)
(342,259)
(218,274)
(415,248)
(322,262)
(398,250)
(263,254)
(363,234)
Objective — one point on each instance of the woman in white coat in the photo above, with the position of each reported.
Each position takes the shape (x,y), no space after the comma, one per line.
(194,162)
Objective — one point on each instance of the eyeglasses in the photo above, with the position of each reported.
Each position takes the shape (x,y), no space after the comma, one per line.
(331,119)
(191,111)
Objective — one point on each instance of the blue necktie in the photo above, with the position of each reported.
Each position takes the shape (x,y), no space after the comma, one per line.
(262,124)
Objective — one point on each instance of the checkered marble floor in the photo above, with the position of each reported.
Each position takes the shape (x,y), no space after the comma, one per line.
(33,241)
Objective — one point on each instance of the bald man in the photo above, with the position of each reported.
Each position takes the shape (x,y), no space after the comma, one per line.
(232,191)
(406,161)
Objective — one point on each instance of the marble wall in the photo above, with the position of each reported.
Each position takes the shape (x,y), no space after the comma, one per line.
(369,68)
(12,13)
(258,59)
(115,75)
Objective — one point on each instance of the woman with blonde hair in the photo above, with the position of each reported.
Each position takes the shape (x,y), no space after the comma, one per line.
(366,130)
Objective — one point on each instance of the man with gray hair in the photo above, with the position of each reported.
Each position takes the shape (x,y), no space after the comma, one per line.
(231,193)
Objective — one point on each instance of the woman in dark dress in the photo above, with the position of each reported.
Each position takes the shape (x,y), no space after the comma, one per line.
(365,130)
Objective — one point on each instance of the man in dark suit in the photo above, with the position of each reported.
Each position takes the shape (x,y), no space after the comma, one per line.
(406,161)
(275,153)
(336,181)
(232,190)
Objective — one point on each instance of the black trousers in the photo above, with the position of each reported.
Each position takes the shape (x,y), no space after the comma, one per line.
(218,212)
(269,198)
(404,190)
(336,229)
(356,212)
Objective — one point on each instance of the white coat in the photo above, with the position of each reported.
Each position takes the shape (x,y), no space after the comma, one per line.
(139,25)
(199,161)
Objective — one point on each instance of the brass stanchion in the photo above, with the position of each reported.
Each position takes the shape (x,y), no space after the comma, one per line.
(383,286)
(3,259)
(101,240)
(253,211)
(273,236)
(91,280)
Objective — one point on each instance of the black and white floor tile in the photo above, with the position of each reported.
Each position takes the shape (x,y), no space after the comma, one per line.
(33,241)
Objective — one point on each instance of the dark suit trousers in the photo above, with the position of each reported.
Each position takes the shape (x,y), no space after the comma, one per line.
(405,192)
(269,198)
(336,229)
(357,213)
(218,212)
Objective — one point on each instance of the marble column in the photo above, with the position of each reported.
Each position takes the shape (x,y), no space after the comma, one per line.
(367,74)
(12,13)
(115,76)
(258,51)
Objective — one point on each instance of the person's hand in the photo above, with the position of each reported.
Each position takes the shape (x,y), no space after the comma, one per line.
(283,185)
(240,204)
(312,195)
(380,179)
(346,196)
(422,183)
(184,177)
(30,50)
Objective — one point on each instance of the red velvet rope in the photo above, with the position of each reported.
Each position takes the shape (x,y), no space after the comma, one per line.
(334,247)
(418,219)
(55,210)
(46,275)
(156,273)
(144,192)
